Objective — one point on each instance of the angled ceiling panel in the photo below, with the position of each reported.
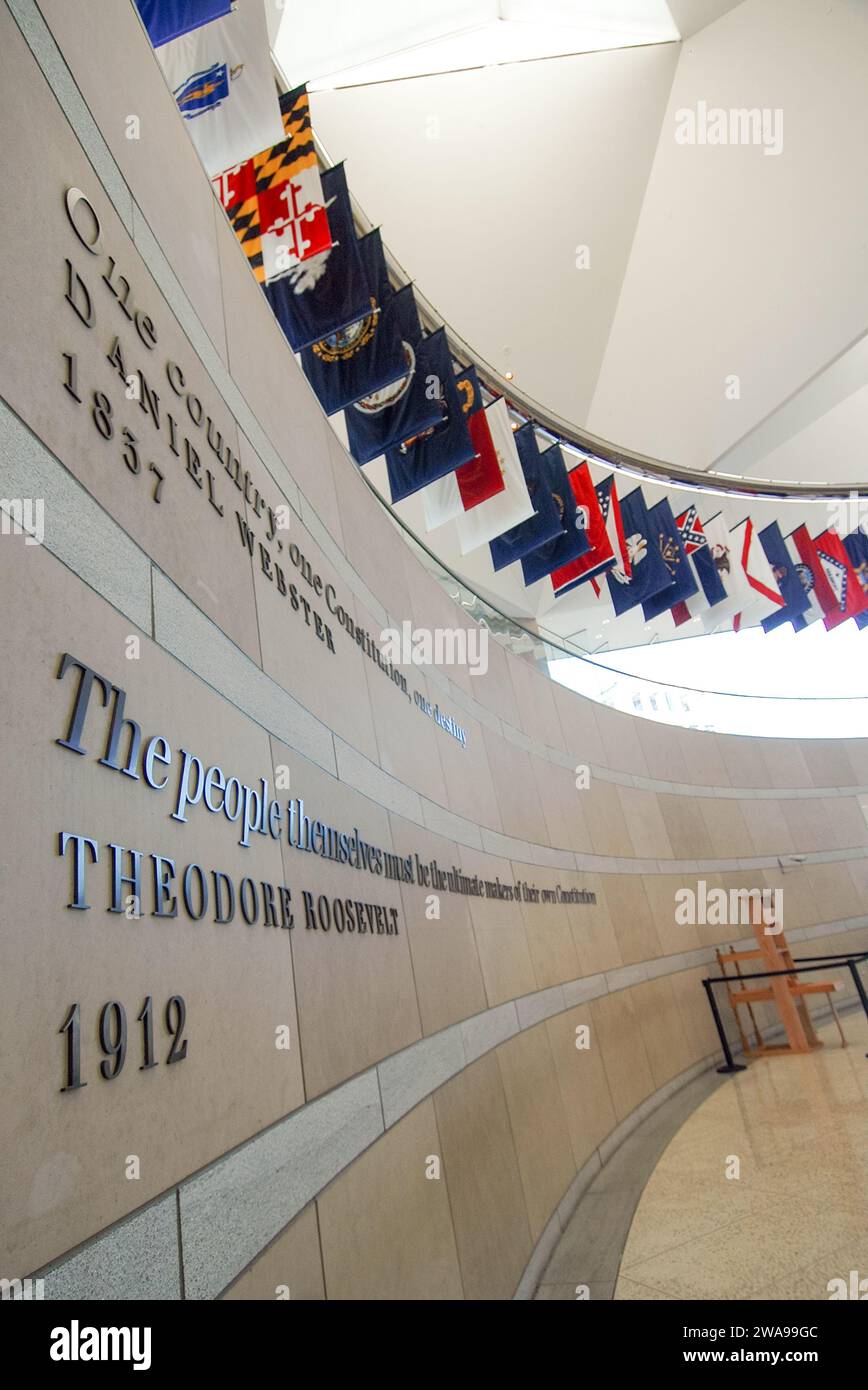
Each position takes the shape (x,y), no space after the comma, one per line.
(748,275)
(487,183)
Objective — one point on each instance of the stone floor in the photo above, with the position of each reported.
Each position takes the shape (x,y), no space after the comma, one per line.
(663,1220)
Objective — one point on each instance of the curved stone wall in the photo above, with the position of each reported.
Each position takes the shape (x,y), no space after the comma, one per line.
(382,1097)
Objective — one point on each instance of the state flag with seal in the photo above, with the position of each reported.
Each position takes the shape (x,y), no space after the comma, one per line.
(221,77)
(649,574)
(683,583)
(851,600)
(368,354)
(856,546)
(475,481)
(387,417)
(328,291)
(803,553)
(600,556)
(438,448)
(573,540)
(797,604)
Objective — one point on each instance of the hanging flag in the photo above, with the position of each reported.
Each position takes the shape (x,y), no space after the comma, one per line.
(787,578)
(368,354)
(811,573)
(683,584)
(545,524)
(649,574)
(293,221)
(850,598)
(222,80)
(701,558)
(277,195)
(856,546)
(573,540)
(410,405)
(725,555)
(439,448)
(759,594)
(511,505)
(171,19)
(600,556)
(808,580)
(481,478)
(328,291)
(475,481)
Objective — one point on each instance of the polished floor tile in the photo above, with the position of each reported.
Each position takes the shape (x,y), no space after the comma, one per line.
(795,1129)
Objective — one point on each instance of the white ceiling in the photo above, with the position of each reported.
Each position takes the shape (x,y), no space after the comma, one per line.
(338,43)
(706,262)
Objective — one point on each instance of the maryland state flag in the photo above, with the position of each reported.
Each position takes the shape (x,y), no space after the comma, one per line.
(600,556)
(438,449)
(366,355)
(328,291)
(545,524)
(851,600)
(275,200)
(573,540)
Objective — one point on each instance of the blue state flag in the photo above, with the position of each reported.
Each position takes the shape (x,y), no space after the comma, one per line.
(708,575)
(330,290)
(368,354)
(683,583)
(439,449)
(856,546)
(386,418)
(170,19)
(545,524)
(573,540)
(649,575)
(793,592)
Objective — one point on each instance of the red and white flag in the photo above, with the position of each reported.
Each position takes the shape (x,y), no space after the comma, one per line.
(602,555)
(508,507)
(850,598)
(809,569)
(275,199)
(750,584)
(471,484)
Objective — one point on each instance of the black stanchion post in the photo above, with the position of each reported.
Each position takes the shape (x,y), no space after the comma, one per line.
(730,1065)
(860,988)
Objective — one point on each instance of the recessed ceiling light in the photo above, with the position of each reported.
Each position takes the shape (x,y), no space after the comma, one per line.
(509,375)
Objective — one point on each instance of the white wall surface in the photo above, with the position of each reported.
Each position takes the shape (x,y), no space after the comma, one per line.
(745,263)
(526,163)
